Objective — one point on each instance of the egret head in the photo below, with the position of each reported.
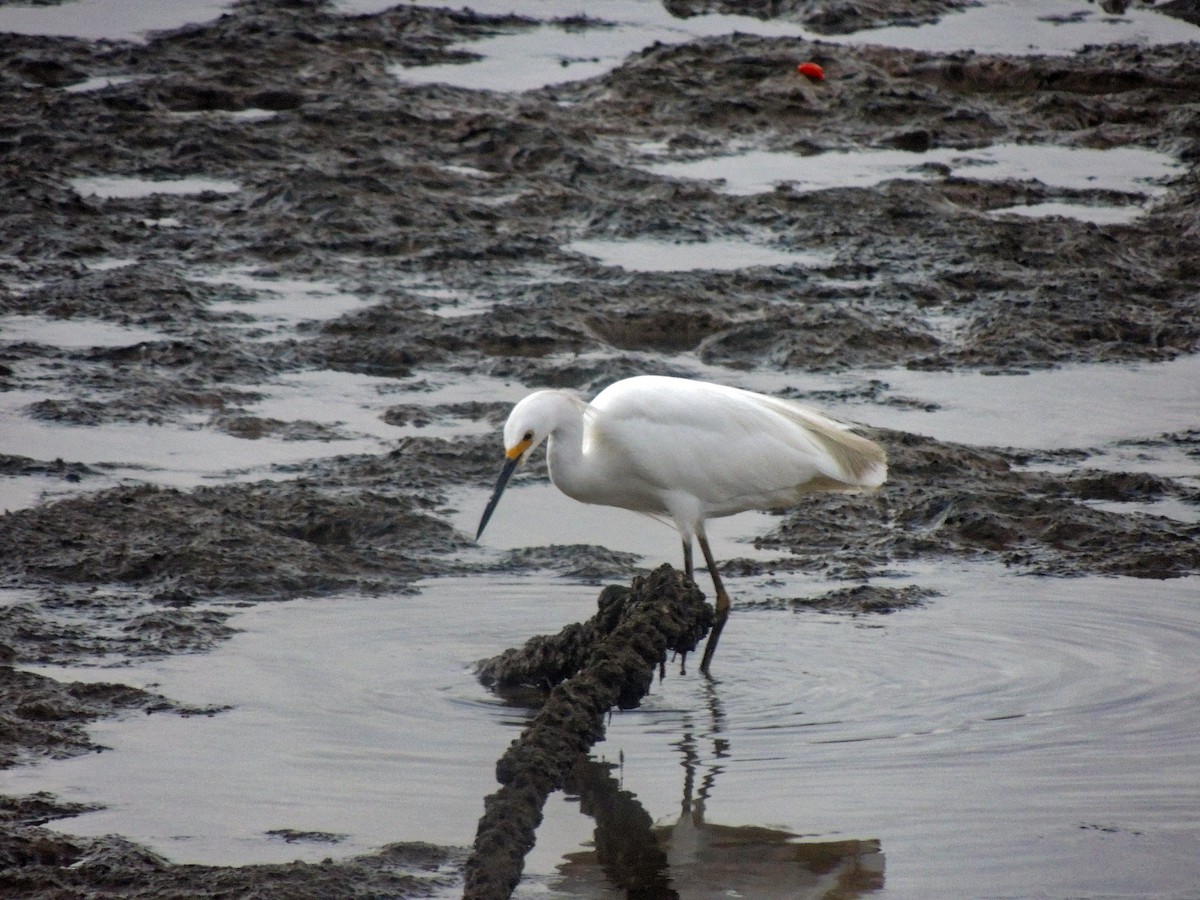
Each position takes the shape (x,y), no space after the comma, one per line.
(528,425)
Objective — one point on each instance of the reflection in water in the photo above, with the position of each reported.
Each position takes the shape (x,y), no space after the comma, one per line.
(627,850)
(694,859)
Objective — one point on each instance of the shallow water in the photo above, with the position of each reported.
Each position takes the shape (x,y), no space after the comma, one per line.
(73,333)
(336,700)
(118,187)
(550,54)
(1016,733)
(650,255)
(1130,170)
(1017,737)
(116,20)
(1082,406)
(1053,27)
(1096,214)
(273,305)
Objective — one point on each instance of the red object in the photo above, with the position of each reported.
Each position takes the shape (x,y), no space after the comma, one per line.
(811,70)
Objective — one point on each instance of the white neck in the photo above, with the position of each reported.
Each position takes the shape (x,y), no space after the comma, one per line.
(569,468)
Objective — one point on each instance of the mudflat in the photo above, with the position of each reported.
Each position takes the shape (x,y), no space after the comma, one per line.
(279,141)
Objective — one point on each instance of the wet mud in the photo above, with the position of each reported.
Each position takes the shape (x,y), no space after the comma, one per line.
(606,663)
(348,176)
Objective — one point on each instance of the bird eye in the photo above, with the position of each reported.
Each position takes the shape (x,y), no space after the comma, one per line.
(529,435)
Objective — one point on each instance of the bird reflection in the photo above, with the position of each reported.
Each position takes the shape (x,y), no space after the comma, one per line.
(693,859)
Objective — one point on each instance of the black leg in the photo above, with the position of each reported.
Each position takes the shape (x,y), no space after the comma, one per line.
(721,604)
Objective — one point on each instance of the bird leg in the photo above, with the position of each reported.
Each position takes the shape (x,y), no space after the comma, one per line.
(687,570)
(721,604)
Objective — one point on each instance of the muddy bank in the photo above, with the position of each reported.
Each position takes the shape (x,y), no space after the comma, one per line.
(346,175)
(38,863)
(944,500)
(46,718)
(482,191)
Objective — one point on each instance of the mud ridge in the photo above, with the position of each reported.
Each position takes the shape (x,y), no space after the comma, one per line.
(608,662)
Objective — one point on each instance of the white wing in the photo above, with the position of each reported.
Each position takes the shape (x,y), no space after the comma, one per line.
(731,449)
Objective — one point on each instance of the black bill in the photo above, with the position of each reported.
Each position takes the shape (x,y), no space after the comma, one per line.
(510,466)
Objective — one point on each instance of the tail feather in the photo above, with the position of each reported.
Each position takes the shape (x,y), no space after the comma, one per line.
(861,463)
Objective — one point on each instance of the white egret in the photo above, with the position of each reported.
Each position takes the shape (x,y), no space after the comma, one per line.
(687,451)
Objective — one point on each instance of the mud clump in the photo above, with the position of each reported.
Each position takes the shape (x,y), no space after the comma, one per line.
(946,500)
(42,866)
(860,599)
(228,541)
(609,661)
(44,718)
(581,562)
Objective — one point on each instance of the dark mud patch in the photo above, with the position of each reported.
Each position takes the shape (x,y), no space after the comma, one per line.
(582,562)
(853,336)
(292,836)
(857,600)
(253,428)
(70,626)
(422,416)
(47,719)
(562,163)
(1123,487)
(42,865)
(947,500)
(13,466)
(262,541)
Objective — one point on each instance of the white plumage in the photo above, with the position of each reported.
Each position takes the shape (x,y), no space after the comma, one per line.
(687,451)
